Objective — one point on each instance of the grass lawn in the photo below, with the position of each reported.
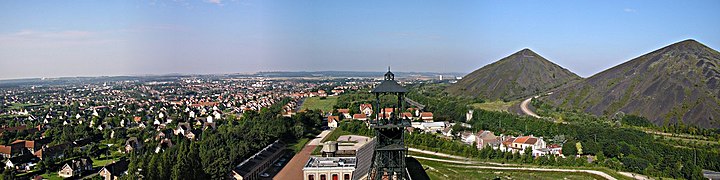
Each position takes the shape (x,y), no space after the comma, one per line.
(99,163)
(51,176)
(299,145)
(334,135)
(315,103)
(494,106)
(21,105)
(439,170)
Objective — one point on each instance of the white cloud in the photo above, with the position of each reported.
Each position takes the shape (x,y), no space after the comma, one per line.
(629,10)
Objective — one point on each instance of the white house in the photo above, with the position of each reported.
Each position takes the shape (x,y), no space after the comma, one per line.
(432,126)
(468,137)
(519,144)
(333,121)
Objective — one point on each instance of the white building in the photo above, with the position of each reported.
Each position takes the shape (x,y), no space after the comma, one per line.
(327,168)
(519,144)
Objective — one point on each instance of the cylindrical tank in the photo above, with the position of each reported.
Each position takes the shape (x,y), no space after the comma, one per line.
(331,147)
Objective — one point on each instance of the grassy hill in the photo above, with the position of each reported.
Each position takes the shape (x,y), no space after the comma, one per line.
(678,83)
(519,75)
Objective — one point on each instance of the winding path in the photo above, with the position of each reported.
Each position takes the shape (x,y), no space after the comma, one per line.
(525,109)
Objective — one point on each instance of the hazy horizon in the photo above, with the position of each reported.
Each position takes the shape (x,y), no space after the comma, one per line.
(137,37)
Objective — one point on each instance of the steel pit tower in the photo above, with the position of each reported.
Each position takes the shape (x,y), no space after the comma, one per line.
(390,150)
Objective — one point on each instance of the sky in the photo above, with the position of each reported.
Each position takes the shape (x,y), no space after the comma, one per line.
(141,37)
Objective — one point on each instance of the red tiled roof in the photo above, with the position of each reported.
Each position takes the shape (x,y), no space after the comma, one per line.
(344,111)
(5,149)
(521,140)
(407,114)
(365,106)
(359,116)
(531,140)
(333,118)
(426,114)
(508,141)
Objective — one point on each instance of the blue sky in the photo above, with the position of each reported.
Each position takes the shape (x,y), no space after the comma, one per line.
(136,37)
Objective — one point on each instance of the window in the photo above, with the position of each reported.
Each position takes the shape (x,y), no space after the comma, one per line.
(323,177)
(334,177)
(311,177)
(346,177)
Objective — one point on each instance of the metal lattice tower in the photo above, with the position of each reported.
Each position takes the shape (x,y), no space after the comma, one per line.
(390,150)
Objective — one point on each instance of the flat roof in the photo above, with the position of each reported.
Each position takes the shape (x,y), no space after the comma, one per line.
(249,164)
(330,162)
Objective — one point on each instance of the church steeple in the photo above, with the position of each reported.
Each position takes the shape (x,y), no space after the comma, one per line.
(389,76)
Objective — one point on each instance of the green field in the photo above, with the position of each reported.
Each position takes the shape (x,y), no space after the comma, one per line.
(440,170)
(494,106)
(316,103)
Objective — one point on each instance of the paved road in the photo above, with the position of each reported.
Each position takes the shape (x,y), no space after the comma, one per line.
(293,170)
(525,109)
(711,174)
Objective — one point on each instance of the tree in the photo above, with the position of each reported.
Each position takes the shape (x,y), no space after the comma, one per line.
(527,155)
(600,157)
(8,174)
(579,148)
(568,149)
(298,131)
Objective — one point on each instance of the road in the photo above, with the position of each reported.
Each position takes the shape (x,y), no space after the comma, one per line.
(293,170)
(525,109)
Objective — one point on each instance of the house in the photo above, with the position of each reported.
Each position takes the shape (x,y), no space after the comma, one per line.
(519,144)
(384,116)
(23,162)
(407,115)
(447,131)
(366,109)
(361,117)
(388,110)
(426,116)
(114,170)
(164,144)
(415,111)
(432,126)
(51,152)
(487,138)
(333,121)
(209,125)
(186,130)
(468,137)
(137,119)
(132,144)
(14,149)
(345,113)
(75,167)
